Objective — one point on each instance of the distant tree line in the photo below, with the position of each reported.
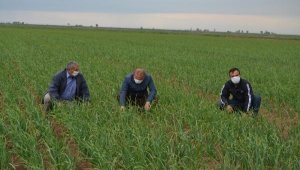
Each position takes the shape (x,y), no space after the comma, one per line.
(196,30)
(15,23)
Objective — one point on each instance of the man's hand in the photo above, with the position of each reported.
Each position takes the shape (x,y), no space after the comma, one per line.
(122,108)
(229,109)
(147,106)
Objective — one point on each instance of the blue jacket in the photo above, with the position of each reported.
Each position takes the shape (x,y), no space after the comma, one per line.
(129,87)
(242,92)
(59,83)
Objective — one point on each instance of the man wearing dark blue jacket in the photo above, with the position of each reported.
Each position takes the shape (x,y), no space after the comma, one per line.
(67,85)
(241,91)
(134,90)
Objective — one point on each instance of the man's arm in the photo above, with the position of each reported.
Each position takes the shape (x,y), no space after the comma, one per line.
(123,92)
(248,97)
(54,86)
(225,94)
(152,90)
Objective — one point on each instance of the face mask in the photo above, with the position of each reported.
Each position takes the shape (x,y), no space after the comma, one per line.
(75,73)
(235,79)
(138,81)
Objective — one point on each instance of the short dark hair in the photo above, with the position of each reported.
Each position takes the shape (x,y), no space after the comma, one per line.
(71,64)
(234,69)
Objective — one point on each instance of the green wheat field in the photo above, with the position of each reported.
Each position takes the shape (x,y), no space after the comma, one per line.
(185,130)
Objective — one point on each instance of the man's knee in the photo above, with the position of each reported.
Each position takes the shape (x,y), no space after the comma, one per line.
(256,103)
(257,100)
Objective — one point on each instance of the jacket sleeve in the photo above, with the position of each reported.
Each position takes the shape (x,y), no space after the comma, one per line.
(225,94)
(248,97)
(54,87)
(85,90)
(123,92)
(152,90)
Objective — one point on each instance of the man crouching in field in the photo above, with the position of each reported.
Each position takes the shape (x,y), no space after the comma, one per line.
(242,94)
(67,85)
(134,90)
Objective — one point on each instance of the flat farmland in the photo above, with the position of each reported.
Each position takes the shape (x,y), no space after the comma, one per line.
(184,130)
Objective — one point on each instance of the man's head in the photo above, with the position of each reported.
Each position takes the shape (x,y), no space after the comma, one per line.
(234,74)
(73,68)
(139,75)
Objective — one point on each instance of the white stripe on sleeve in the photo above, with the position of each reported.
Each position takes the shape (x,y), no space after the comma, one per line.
(221,94)
(249,95)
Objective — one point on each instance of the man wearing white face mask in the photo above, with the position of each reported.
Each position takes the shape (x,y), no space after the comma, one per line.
(241,91)
(134,90)
(67,85)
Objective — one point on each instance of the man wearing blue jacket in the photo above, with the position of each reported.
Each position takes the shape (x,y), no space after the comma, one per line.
(134,90)
(67,85)
(241,91)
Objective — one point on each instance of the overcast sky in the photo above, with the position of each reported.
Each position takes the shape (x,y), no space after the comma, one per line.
(279,16)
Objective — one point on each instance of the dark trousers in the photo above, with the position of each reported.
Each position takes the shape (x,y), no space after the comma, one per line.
(137,100)
(237,105)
